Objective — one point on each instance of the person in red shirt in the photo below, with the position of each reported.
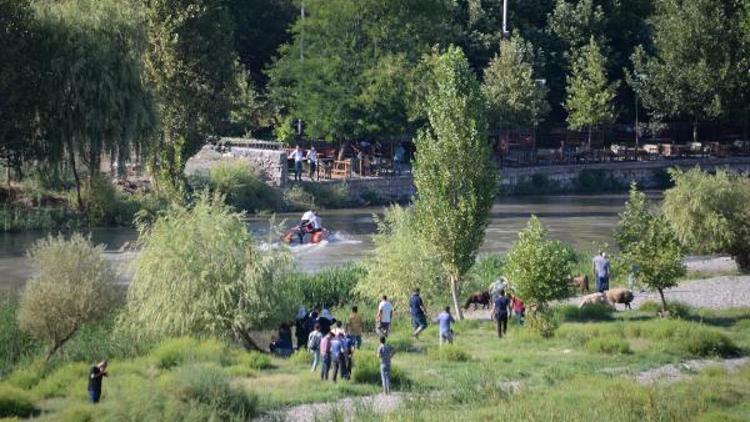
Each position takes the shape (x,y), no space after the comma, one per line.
(518,308)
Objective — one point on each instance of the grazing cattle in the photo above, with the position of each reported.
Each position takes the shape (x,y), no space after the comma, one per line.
(594,299)
(620,295)
(478,298)
(581,282)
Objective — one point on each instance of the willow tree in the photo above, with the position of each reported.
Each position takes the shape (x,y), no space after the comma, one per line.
(96,100)
(453,172)
(192,66)
(590,94)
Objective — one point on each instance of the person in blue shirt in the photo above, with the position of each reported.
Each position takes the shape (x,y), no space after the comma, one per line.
(444,321)
(601,272)
(418,313)
(338,355)
(500,313)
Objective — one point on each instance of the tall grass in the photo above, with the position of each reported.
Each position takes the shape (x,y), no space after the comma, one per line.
(331,287)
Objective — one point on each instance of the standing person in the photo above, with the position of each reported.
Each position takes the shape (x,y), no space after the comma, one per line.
(298,156)
(354,327)
(399,157)
(300,327)
(418,313)
(500,313)
(325,355)
(313,345)
(326,320)
(312,160)
(601,272)
(349,348)
(384,315)
(96,374)
(338,358)
(518,308)
(385,353)
(445,331)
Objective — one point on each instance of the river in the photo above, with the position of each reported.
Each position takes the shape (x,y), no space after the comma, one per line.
(581,220)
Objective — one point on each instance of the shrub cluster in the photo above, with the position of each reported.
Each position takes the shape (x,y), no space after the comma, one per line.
(330,287)
(367,371)
(15,402)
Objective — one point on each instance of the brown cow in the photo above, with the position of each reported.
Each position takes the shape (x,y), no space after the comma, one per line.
(581,282)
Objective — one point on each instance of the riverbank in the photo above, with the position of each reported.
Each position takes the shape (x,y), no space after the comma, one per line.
(598,358)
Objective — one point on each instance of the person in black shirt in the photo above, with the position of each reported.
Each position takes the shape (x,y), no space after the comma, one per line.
(96,374)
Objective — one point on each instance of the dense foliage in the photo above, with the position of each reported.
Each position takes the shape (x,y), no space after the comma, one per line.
(402,261)
(537,269)
(710,213)
(649,245)
(74,285)
(198,272)
(453,172)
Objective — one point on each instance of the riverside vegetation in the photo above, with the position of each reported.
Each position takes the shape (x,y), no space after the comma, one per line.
(183,365)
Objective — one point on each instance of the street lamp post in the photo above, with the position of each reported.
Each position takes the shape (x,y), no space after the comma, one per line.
(506,34)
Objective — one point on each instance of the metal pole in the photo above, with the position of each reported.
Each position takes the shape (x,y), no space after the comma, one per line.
(302,32)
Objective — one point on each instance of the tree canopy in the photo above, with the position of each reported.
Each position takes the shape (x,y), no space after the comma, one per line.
(453,172)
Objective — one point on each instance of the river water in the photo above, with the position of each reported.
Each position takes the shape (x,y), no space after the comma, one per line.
(581,220)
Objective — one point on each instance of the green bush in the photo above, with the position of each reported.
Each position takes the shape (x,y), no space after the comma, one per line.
(177,351)
(209,386)
(608,344)
(330,287)
(14,343)
(242,188)
(367,371)
(448,353)
(77,413)
(74,285)
(542,322)
(686,338)
(484,272)
(254,360)
(676,309)
(297,198)
(27,375)
(595,312)
(16,402)
(98,340)
(62,381)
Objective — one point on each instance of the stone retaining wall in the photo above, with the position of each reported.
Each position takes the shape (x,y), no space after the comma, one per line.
(269,164)
(648,174)
(387,189)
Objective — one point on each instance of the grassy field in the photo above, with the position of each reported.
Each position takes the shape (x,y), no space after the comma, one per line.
(584,372)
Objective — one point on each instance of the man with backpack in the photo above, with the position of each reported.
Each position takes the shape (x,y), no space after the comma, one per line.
(313,345)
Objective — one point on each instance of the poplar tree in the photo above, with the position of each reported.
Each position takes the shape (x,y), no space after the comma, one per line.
(590,96)
(453,173)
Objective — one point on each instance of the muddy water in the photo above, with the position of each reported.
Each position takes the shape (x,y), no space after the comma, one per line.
(582,220)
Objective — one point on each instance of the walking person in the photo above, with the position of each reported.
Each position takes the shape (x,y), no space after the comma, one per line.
(337,349)
(312,161)
(385,353)
(418,313)
(313,345)
(325,355)
(96,374)
(445,329)
(519,309)
(298,156)
(300,328)
(500,313)
(601,272)
(326,320)
(384,316)
(354,327)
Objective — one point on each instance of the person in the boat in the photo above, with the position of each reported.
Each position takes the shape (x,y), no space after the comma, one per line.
(305,225)
(316,223)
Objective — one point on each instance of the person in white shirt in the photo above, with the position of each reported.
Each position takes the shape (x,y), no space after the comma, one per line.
(317,223)
(312,160)
(383,318)
(298,155)
(306,225)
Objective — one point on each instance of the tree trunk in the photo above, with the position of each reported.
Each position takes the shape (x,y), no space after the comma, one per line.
(663,302)
(72,158)
(246,340)
(454,295)
(695,130)
(59,343)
